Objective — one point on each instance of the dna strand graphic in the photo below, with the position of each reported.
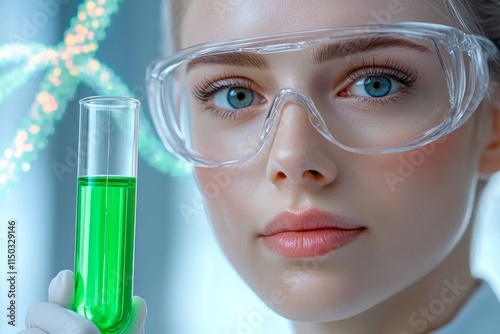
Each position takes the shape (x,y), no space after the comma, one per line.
(67,65)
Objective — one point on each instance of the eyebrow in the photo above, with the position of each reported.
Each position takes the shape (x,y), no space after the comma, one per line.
(321,55)
(345,49)
(244,59)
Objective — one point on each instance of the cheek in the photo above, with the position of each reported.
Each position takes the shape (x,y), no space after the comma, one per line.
(229,195)
(421,200)
(235,203)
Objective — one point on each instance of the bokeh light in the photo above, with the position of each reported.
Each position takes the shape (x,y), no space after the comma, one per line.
(67,65)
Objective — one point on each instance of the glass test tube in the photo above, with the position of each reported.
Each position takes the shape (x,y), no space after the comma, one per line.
(106,202)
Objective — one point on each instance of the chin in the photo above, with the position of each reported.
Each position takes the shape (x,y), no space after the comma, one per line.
(312,311)
(315,302)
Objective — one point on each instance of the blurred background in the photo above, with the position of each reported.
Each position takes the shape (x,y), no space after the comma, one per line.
(179,270)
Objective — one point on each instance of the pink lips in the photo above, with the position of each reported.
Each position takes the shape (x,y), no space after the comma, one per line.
(309,233)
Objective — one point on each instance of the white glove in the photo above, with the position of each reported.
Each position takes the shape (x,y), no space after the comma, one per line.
(55,317)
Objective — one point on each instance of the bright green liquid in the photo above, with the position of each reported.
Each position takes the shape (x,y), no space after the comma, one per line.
(104,256)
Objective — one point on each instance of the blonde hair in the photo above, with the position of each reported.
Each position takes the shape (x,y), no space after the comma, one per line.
(172,13)
(477,16)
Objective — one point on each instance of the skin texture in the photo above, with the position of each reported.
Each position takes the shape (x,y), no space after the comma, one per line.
(417,234)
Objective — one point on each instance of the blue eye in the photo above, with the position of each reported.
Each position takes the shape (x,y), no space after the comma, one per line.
(378,86)
(234,98)
(374,86)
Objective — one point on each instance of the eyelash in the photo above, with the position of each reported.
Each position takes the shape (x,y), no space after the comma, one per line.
(391,68)
(210,86)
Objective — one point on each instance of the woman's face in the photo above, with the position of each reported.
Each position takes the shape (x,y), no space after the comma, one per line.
(348,230)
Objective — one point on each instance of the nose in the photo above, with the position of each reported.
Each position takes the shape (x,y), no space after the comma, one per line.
(300,154)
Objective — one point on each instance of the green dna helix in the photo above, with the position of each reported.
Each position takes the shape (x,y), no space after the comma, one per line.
(67,65)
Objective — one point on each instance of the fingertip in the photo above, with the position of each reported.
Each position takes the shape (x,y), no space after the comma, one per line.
(29,314)
(140,308)
(138,317)
(62,289)
(53,318)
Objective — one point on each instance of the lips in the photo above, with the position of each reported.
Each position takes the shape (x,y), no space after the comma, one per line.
(309,233)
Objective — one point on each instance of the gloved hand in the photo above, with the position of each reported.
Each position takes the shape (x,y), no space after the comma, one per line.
(55,317)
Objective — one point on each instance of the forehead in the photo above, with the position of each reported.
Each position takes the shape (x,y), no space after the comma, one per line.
(214,20)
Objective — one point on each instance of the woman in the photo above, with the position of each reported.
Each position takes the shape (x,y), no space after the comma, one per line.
(351,142)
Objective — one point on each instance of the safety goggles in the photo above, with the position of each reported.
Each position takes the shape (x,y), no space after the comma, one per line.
(370,89)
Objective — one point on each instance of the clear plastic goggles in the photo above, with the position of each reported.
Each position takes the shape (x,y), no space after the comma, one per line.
(368,89)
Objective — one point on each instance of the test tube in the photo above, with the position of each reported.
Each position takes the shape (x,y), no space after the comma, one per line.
(106,205)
